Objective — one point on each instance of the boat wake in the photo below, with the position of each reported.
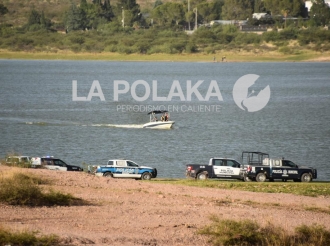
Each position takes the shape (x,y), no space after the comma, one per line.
(118,125)
(41,123)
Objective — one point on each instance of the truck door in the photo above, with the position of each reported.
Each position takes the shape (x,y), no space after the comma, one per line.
(234,166)
(290,170)
(226,168)
(119,169)
(218,166)
(60,165)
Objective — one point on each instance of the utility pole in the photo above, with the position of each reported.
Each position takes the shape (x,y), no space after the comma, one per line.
(188,14)
(123,16)
(195,11)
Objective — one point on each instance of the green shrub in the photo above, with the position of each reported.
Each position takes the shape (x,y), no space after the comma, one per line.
(247,38)
(271,36)
(77,40)
(76,48)
(26,238)
(249,233)
(286,50)
(25,190)
(190,48)
(289,33)
(225,38)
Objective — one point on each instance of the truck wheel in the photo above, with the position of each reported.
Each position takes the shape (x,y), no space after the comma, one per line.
(108,175)
(306,177)
(261,177)
(146,176)
(202,176)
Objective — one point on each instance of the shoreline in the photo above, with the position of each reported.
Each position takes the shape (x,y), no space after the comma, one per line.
(134,212)
(306,56)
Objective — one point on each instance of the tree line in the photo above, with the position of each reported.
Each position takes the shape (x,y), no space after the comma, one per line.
(94,14)
(97,26)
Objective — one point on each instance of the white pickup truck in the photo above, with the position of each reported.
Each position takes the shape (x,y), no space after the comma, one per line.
(124,169)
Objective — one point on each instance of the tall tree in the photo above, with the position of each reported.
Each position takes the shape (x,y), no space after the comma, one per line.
(169,13)
(259,6)
(209,11)
(3,9)
(74,18)
(34,18)
(291,7)
(237,9)
(44,22)
(83,4)
(320,12)
(130,11)
(107,12)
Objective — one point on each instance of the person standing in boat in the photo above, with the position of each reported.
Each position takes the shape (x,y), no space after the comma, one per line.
(162,118)
(166,117)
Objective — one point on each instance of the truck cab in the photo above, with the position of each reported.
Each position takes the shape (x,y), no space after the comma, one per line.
(224,168)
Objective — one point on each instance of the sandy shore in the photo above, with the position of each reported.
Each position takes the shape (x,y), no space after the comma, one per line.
(231,56)
(133,212)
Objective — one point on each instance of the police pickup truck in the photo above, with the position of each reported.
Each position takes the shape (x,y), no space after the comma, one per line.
(216,168)
(272,169)
(51,163)
(125,169)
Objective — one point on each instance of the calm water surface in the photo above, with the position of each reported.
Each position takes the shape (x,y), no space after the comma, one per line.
(38,116)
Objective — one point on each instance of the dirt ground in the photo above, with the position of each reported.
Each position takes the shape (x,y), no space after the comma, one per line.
(133,212)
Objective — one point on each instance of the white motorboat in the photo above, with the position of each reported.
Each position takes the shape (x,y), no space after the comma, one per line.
(162,123)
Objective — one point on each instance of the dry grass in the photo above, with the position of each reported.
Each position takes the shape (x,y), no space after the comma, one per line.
(18,188)
(247,232)
(7,237)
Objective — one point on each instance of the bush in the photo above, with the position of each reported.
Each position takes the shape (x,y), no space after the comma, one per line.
(289,33)
(286,50)
(249,233)
(271,36)
(225,38)
(26,238)
(247,38)
(22,189)
(190,48)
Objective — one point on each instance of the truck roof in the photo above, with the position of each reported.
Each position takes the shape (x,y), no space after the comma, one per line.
(224,158)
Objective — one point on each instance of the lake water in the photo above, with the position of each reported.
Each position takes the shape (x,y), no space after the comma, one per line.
(38,116)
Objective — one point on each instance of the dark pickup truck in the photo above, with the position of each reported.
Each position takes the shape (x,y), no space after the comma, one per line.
(220,168)
(282,169)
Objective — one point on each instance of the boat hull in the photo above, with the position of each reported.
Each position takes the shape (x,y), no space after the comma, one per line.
(159,125)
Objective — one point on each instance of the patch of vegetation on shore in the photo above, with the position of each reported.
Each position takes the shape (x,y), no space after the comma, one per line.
(249,233)
(26,238)
(20,189)
(312,189)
